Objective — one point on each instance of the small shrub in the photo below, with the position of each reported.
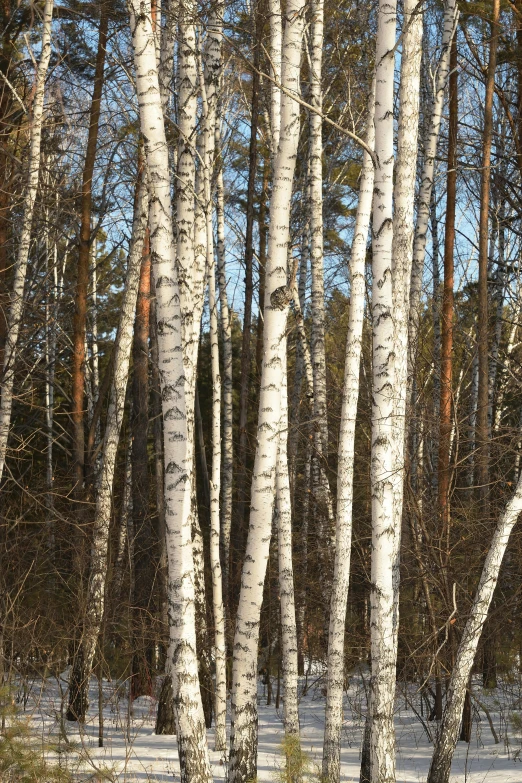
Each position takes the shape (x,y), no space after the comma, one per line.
(22,754)
(296,761)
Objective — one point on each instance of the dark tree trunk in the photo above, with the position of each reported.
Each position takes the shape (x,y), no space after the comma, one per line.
(144,539)
(465,729)
(165,718)
(239,540)
(482,425)
(82,280)
(446,364)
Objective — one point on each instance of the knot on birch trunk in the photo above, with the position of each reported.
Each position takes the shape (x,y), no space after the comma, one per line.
(281,297)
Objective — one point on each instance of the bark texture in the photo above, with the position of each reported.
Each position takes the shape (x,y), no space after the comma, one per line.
(243,742)
(183,664)
(343,541)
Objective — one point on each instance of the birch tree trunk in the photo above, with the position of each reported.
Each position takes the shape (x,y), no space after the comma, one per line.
(95,599)
(382,686)
(447,739)
(209,86)
(286,570)
(215,523)
(246,353)
(226,331)
(243,743)
(183,664)
(321,489)
(16,306)
(402,252)
(427,177)
(341,577)
(276,40)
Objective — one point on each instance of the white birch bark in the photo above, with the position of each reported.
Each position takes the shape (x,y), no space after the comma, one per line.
(209,85)
(243,747)
(316,236)
(190,212)
(341,577)
(447,738)
(286,570)
(427,176)
(226,332)
(382,685)
(191,262)
(183,667)
(215,523)
(276,40)
(16,306)
(95,599)
(95,375)
(94,324)
(402,255)
(167,40)
(124,542)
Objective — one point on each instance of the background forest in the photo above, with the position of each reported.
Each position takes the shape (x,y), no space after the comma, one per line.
(260,391)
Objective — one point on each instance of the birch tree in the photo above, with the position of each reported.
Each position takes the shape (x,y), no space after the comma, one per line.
(427,175)
(226,331)
(345,466)
(320,480)
(16,305)
(210,81)
(402,247)
(440,767)
(286,570)
(243,741)
(382,738)
(183,665)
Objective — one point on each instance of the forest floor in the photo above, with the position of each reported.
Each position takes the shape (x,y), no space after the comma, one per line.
(132,752)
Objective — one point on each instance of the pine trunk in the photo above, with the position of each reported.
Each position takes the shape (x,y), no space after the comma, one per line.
(144,544)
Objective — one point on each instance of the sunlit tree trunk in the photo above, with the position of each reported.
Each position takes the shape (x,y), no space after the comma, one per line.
(286,569)
(382,687)
(427,177)
(402,253)
(243,746)
(321,489)
(183,663)
(447,738)
(446,362)
(210,81)
(226,331)
(341,577)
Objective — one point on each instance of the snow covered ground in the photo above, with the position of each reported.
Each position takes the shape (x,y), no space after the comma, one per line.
(133,753)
